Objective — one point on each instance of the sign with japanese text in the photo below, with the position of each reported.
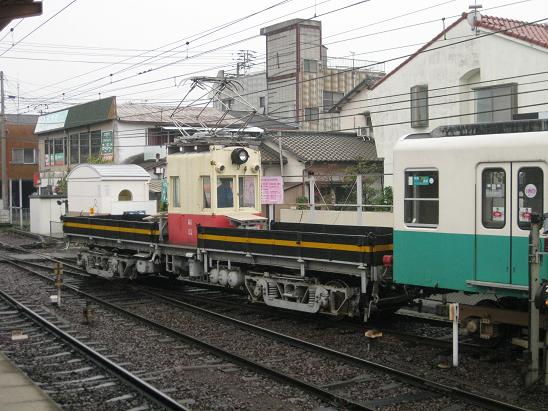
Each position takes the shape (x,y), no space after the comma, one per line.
(107,145)
(272,190)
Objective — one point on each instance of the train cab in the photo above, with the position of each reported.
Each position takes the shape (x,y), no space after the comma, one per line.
(464,196)
(214,186)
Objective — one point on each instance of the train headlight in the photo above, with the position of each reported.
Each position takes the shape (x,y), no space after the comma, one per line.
(239,156)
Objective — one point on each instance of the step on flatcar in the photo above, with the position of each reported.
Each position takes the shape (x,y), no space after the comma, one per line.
(463,197)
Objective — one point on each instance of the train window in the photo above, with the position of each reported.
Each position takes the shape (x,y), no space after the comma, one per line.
(493,202)
(421,200)
(175,191)
(246,191)
(206,185)
(530,195)
(225,192)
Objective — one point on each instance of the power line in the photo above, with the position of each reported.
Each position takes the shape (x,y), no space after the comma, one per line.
(217,48)
(52,17)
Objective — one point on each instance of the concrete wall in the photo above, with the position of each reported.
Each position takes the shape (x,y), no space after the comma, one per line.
(487,59)
(374,219)
(45,215)
(129,139)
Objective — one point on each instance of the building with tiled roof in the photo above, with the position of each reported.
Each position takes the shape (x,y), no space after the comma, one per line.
(327,155)
(479,69)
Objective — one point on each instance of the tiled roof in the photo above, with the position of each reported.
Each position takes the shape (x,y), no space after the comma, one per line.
(531,33)
(327,146)
(269,155)
(149,113)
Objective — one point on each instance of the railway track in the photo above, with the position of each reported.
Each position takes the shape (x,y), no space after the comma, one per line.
(70,371)
(386,385)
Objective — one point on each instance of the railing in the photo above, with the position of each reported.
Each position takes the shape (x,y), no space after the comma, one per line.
(342,199)
(348,63)
(20,218)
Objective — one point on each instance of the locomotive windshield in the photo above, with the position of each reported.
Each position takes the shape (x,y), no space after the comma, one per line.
(246,191)
(225,192)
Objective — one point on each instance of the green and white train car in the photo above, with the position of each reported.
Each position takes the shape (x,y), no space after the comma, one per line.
(463,200)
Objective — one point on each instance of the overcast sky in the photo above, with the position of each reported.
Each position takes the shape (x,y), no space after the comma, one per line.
(98,48)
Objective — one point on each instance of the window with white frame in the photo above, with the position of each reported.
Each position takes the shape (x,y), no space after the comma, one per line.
(497,103)
(421,201)
(23,156)
(419,106)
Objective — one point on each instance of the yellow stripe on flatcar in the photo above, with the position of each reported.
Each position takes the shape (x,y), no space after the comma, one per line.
(112,228)
(306,244)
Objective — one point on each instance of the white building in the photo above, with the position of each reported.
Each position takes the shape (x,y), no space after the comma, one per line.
(480,69)
(103,131)
(109,189)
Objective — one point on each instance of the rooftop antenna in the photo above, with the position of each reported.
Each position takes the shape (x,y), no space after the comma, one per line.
(474,16)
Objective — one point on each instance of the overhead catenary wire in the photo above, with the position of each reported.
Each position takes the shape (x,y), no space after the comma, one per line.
(430,21)
(473,38)
(101,78)
(170,78)
(393,123)
(423,51)
(39,26)
(376,100)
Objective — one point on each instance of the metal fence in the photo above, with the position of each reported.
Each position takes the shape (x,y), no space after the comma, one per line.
(362,192)
(348,198)
(20,218)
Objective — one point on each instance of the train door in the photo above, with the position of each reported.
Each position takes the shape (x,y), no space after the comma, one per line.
(493,222)
(527,197)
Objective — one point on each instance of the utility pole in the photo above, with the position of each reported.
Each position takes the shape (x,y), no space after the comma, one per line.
(5,203)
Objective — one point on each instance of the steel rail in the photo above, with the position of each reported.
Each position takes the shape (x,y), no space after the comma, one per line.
(263,369)
(141,386)
(415,379)
(373,323)
(457,392)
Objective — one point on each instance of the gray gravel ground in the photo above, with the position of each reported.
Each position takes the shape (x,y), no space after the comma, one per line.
(495,372)
(192,376)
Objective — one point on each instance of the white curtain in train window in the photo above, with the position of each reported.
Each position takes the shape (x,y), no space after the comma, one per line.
(246,193)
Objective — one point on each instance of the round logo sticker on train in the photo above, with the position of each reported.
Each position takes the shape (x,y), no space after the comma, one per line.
(431,180)
(530,190)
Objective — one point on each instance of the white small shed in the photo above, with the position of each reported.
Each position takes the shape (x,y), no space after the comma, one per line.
(109,189)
